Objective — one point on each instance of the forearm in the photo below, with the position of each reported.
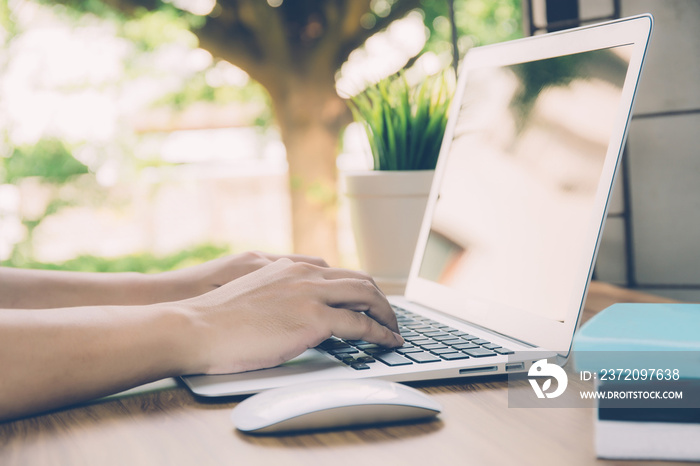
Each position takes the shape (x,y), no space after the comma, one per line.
(56,357)
(42,289)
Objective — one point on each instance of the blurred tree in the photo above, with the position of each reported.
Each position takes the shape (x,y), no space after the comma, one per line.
(294,49)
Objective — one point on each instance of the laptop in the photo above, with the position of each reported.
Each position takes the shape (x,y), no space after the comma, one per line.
(513,221)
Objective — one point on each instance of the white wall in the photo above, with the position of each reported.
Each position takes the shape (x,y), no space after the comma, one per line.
(660,250)
(652,236)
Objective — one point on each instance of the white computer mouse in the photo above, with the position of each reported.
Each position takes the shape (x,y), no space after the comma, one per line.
(332,404)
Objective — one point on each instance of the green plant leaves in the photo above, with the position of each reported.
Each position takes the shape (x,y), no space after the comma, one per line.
(49,159)
(405,124)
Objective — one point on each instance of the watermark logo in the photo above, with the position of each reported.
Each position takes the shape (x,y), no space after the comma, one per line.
(609,379)
(544,369)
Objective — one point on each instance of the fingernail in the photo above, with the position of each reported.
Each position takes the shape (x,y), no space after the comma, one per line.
(399,338)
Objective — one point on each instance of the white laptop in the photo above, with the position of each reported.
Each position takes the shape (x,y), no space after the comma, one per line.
(514,218)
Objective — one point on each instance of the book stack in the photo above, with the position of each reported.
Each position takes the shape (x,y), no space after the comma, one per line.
(644,360)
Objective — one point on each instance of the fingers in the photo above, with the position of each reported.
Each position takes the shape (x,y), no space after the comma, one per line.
(309,259)
(336,273)
(358,309)
(352,325)
(313,260)
(279,310)
(356,291)
(361,295)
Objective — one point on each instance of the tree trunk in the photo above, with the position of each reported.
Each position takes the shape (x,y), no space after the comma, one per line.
(311,115)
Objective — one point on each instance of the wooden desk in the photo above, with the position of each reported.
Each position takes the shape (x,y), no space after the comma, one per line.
(170,427)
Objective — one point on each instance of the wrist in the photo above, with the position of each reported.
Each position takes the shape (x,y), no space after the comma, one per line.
(179,337)
(165,287)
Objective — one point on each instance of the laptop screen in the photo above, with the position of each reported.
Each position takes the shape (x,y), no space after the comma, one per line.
(515,207)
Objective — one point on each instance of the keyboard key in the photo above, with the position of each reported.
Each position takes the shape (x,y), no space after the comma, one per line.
(392,359)
(407,344)
(423,341)
(491,346)
(479,353)
(359,366)
(412,349)
(367,346)
(444,337)
(454,341)
(405,320)
(325,344)
(412,339)
(420,327)
(333,343)
(423,357)
(433,346)
(453,356)
(436,333)
(442,350)
(464,346)
(503,351)
(480,341)
(348,350)
(357,342)
(366,359)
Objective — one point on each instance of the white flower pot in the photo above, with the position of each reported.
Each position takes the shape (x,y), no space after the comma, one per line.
(386,210)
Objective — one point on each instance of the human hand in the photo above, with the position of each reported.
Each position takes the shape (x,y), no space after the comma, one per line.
(271,315)
(199,279)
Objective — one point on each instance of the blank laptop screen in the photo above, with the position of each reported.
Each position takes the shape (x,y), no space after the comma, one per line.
(516,200)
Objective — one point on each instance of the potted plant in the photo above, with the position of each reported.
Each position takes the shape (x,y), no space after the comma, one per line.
(404,125)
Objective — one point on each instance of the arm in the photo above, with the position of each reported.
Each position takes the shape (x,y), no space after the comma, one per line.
(42,289)
(52,358)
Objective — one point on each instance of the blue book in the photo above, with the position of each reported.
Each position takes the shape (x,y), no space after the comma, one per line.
(663,340)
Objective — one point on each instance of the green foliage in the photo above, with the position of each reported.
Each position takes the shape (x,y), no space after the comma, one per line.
(144,262)
(148,30)
(6,23)
(77,9)
(479,22)
(49,159)
(407,134)
(197,89)
(405,124)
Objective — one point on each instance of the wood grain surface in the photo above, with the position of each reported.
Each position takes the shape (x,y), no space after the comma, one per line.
(170,427)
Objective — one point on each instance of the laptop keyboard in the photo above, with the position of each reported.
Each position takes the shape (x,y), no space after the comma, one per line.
(427,341)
